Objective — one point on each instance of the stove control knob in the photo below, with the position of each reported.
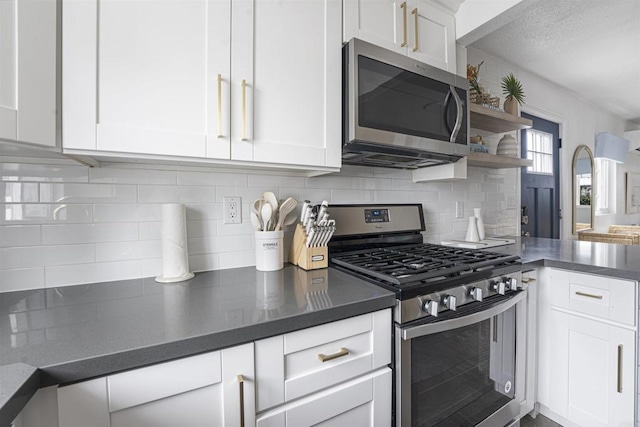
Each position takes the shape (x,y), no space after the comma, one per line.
(499,287)
(431,307)
(476,294)
(513,283)
(450,302)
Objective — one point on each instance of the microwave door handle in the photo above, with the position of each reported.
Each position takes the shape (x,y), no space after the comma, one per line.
(447,101)
(458,125)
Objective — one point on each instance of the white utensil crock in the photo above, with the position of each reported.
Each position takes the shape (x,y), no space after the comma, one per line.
(269,250)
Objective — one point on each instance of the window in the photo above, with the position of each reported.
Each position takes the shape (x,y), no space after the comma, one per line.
(605,194)
(540,150)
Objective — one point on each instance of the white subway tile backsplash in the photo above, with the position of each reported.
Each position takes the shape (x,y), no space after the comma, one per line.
(273,182)
(20,235)
(176,194)
(65,225)
(127,212)
(217,179)
(121,251)
(69,254)
(87,193)
(17,192)
(45,213)
(43,173)
(64,275)
(21,257)
(21,278)
(132,176)
(89,233)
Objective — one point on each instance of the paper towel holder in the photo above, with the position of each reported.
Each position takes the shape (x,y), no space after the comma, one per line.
(162,279)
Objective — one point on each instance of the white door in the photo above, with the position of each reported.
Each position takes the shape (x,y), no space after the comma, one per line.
(288,54)
(28,71)
(380,22)
(432,35)
(142,76)
(598,362)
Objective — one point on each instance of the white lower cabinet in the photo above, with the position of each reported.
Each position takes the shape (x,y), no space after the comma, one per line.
(213,389)
(586,364)
(333,374)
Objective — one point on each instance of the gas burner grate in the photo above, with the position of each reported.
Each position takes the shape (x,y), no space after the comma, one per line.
(414,263)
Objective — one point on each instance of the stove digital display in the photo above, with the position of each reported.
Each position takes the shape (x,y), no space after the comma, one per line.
(376,215)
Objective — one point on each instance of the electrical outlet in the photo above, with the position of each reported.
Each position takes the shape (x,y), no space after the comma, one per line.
(459,209)
(232,210)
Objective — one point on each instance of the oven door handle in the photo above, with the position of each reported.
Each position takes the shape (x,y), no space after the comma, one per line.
(459,114)
(459,322)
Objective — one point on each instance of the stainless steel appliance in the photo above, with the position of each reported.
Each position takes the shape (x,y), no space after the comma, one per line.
(460,317)
(399,112)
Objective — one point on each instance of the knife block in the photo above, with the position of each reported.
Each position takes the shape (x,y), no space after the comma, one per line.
(304,257)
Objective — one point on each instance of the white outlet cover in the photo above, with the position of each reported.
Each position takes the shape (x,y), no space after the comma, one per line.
(232,210)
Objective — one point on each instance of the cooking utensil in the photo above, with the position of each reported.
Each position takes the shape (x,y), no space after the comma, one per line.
(255,221)
(257,206)
(323,210)
(285,209)
(290,219)
(270,198)
(266,213)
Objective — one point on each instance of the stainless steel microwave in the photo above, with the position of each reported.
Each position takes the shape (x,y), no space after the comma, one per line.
(399,112)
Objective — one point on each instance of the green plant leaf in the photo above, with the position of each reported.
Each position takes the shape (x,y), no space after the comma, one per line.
(512,88)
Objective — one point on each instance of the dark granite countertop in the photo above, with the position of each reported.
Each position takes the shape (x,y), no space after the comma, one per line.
(68,334)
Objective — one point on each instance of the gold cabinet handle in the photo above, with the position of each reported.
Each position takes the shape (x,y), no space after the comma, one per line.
(325,358)
(583,294)
(414,12)
(220,135)
(403,6)
(244,110)
(528,280)
(620,368)
(241,383)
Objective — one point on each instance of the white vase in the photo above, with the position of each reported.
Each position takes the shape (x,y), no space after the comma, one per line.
(507,146)
(472,230)
(477,212)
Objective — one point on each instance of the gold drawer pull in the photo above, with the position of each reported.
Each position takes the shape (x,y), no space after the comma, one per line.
(403,6)
(583,294)
(414,12)
(619,369)
(220,135)
(325,358)
(240,379)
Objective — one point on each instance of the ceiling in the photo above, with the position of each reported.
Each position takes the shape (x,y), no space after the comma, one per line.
(590,47)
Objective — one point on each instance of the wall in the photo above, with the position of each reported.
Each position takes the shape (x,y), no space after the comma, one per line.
(69,224)
(579,122)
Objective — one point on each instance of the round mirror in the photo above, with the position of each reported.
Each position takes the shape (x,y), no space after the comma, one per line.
(583,183)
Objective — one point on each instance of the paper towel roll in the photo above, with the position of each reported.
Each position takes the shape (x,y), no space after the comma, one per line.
(175,257)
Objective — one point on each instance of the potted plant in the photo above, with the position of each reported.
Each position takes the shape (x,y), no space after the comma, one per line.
(472,76)
(514,93)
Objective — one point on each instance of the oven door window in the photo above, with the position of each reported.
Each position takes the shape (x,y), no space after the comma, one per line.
(461,376)
(399,101)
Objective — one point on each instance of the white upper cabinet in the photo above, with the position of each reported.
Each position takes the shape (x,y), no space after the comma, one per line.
(421,29)
(28,99)
(288,54)
(235,80)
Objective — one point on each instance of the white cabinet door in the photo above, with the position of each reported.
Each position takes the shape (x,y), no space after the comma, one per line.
(288,54)
(417,28)
(142,76)
(380,22)
(28,71)
(591,371)
(433,36)
(365,401)
(199,390)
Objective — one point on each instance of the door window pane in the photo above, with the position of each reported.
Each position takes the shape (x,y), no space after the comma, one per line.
(540,150)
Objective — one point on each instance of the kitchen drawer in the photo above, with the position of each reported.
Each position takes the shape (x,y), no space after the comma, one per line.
(598,296)
(289,366)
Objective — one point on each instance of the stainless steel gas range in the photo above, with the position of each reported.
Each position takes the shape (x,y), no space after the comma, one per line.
(460,317)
